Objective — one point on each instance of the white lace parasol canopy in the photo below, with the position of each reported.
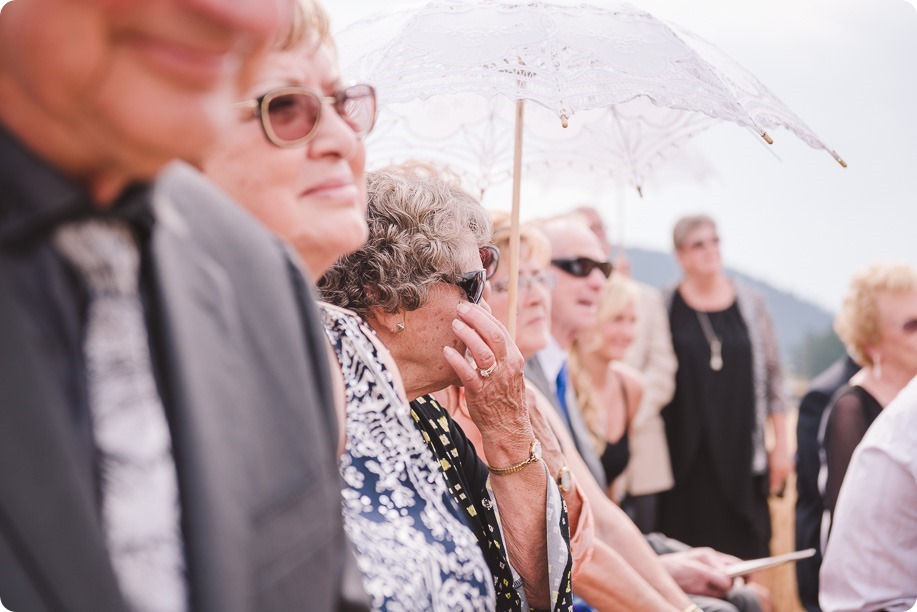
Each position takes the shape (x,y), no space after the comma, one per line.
(567,57)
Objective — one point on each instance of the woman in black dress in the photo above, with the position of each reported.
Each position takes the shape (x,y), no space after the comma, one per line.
(729,382)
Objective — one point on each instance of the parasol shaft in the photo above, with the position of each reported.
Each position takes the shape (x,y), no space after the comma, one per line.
(514,224)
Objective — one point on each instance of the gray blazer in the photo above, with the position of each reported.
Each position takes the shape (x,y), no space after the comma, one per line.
(254,430)
(578,427)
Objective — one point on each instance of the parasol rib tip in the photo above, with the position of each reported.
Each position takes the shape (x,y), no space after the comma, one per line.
(640,191)
(767,138)
(838,158)
(563,120)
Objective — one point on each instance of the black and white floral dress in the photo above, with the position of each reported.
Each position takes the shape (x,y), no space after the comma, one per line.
(412,544)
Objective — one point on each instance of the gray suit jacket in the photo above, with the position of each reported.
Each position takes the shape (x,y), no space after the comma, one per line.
(253,429)
(578,427)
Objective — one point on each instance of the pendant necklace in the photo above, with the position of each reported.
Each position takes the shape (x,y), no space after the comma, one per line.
(716,347)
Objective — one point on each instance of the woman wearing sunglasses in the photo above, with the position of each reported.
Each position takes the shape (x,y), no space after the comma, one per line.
(878,325)
(295,159)
(729,383)
(418,283)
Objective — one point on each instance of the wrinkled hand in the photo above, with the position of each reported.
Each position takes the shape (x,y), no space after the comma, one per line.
(496,403)
(699,571)
(780,465)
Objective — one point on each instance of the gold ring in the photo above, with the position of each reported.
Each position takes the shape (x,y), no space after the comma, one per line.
(485,372)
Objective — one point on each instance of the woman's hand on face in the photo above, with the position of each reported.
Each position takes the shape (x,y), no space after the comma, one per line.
(496,402)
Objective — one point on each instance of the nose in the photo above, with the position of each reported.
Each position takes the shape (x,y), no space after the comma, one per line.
(596,279)
(260,18)
(629,333)
(536,294)
(335,136)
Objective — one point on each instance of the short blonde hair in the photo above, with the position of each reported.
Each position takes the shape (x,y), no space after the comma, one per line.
(309,25)
(688,224)
(857,324)
(531,239)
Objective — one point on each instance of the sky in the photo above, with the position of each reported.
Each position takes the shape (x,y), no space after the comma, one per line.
(795,219)
(800,222)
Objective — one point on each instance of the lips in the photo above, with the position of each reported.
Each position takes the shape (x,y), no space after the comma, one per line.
(343,189)
(196,64)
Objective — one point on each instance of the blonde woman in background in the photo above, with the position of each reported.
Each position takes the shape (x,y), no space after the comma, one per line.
(609,391)
(878,325)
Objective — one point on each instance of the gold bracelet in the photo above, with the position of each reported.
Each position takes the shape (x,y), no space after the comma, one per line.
(534,455)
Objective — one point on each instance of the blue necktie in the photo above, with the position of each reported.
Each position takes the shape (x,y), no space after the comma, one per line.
(562,382)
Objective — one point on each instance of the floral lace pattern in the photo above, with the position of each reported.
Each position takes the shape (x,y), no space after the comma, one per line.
(412,545)
(566,57)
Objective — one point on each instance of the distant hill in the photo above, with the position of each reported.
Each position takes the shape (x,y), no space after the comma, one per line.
(804,330)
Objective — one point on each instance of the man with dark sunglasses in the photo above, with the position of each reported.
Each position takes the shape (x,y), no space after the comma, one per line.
(581,268)
(580,260)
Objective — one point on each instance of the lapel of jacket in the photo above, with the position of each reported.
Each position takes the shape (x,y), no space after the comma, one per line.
(578,429)
(583,439)
(200,326)
(47,508)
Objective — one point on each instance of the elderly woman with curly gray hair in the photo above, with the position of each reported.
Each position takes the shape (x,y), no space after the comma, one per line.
(418,283)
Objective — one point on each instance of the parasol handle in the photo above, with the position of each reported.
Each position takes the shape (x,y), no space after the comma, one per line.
(513,297)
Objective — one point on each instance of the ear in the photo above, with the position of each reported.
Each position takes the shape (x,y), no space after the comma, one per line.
(386,323)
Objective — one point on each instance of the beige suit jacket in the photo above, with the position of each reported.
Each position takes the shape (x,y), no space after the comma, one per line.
(650,469)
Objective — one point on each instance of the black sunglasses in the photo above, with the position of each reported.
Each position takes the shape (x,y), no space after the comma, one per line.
(581,267)
(490,257)
(472,283)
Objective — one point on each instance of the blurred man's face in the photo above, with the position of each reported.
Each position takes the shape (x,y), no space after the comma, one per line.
(135,82)
(575,298)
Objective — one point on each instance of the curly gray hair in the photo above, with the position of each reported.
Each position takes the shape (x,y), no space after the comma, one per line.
(418,226)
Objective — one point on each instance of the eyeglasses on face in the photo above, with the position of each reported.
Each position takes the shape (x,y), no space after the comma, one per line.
(291,116)
(702,244)
(490,257)
(581,267)
(472,283)
(545,279)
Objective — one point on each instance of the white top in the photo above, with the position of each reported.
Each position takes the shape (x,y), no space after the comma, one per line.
(552,358)
(871,559)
